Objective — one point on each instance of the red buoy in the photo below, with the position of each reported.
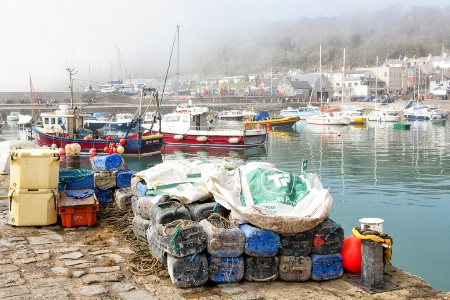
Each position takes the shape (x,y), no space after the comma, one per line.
(351,254)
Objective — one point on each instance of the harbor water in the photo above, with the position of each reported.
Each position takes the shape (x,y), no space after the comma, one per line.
(372,171)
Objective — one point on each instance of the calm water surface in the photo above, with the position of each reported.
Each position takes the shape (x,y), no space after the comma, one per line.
(400,176)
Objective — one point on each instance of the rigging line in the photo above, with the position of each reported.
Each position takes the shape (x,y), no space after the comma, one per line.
(168,67)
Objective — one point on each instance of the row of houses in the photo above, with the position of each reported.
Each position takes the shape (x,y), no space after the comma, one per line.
(410,76)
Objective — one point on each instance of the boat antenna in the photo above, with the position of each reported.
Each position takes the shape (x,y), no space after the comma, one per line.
(168,67)
(71,73)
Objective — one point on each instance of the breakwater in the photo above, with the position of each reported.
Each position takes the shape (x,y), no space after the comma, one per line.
(118,103)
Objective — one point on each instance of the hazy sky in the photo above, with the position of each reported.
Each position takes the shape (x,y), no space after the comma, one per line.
(43,38)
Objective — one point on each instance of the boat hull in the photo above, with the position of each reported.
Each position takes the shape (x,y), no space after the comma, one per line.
(328,121)
(217,139)
(285,122)
(416,116)
(146,145)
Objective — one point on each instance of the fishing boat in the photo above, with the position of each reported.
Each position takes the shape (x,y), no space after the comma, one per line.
(300,112)
(65,126)
(329,119)
(195,126)
(263,119)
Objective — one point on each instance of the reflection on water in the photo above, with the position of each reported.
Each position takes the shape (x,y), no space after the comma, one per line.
(401,176)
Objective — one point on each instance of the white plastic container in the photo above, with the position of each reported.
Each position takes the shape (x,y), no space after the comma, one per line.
(373,223)
(34,169)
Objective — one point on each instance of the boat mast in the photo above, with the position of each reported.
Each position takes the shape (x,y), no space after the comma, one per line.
(178,61)
(71,73)
(31,100)
(343,75)
(376,84)
(320,72)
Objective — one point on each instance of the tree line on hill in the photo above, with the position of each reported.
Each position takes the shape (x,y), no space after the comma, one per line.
(389,33)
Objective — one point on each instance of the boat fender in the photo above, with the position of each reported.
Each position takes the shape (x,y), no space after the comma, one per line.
(233,140)
(178,136)
(202,138)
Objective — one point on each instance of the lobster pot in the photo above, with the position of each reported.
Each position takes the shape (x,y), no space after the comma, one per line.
(75,179)
(73,162)
(328,238)
(105,180)
(200,211)
(166,212)
(140,226)
(326,267)
(180,238)
(33,207)
(104,196)
(156,252)
(123,178)
(188,271)
(123,198)
(226,269)
(261,268)
(145,204)
(295,268)
(260,242)
(298,244)
(223,237)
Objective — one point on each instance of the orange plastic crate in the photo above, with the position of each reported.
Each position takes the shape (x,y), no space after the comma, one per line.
(77,212)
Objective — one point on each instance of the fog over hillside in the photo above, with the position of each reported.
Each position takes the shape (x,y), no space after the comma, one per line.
(388,33)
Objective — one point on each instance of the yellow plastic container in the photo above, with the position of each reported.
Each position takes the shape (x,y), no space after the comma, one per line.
(34,169)
(33,208)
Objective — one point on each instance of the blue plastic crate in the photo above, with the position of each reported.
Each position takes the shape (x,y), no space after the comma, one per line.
(326,267)
(260,242)
(226,269)
(75,179)
(104,196)
(123,178)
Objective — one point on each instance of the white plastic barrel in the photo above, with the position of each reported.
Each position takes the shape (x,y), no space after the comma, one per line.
(373,223)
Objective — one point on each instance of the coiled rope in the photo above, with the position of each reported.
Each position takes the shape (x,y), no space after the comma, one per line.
(376,237)
(141,263)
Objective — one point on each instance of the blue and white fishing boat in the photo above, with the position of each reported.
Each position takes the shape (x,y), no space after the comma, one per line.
(416,110)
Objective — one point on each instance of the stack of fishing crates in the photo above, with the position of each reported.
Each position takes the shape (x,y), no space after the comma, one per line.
(78,205)
(33,188)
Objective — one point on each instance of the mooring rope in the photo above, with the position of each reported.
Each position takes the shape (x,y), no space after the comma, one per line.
(141,263)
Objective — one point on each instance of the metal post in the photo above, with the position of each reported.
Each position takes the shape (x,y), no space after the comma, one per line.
(372,263)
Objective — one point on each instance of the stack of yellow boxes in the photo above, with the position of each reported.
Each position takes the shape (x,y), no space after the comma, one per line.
(33,187)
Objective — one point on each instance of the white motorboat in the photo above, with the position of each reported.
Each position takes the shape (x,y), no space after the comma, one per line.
(329,119)
(302,112)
